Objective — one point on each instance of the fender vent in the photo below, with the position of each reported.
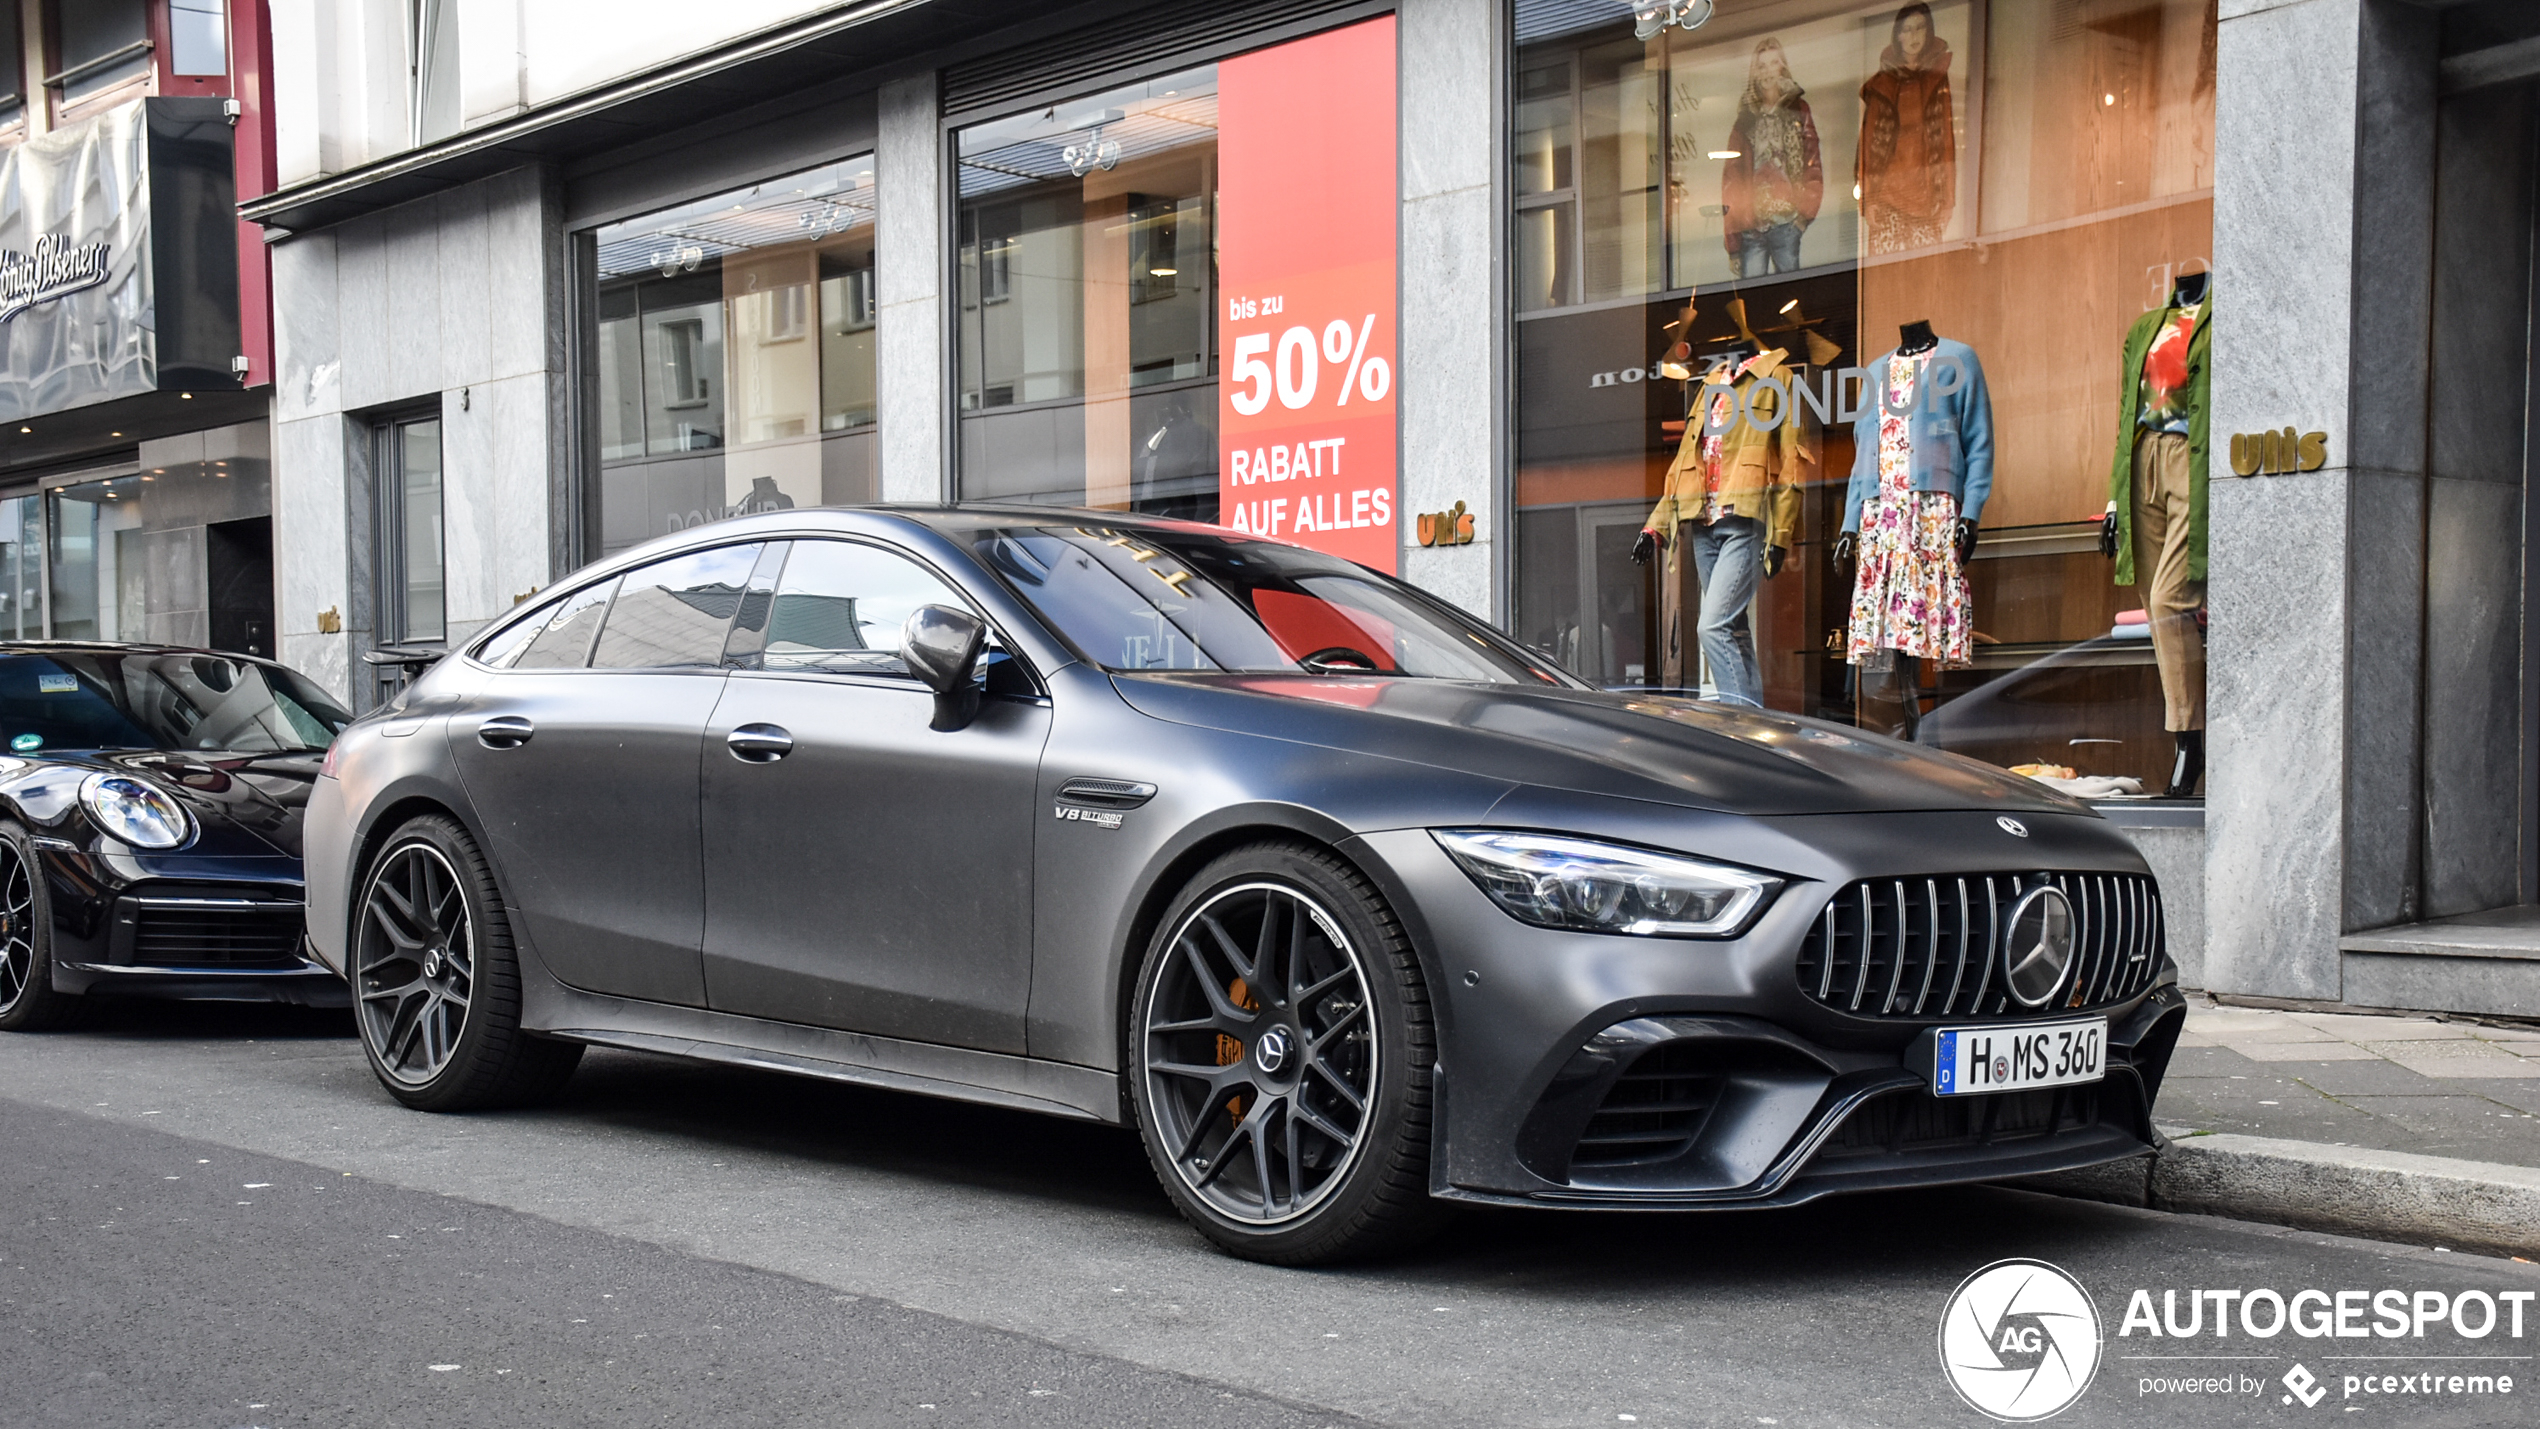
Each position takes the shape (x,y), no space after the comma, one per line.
(1106,793)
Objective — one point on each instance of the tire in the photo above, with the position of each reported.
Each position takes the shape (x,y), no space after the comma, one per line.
(28,1000)
(436,986)
(1280,1059)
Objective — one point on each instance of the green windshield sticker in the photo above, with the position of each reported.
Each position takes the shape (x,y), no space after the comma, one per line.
(27,743)
(57,684)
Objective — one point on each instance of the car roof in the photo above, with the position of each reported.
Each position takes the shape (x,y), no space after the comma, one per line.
(121,647)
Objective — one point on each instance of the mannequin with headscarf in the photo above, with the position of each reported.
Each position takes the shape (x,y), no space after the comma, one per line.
(1909,141)
(1774,181)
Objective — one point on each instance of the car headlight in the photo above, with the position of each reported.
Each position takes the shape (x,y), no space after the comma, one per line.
(1576,884)
(135,811)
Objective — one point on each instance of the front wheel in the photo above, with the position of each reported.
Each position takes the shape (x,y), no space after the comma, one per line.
(1280,1061)
(28,1000)
(436,989)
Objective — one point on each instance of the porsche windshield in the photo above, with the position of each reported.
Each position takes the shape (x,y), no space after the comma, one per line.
(106,699)
(1141,598)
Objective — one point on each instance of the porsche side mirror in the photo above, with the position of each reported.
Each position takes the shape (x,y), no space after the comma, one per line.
(941,645)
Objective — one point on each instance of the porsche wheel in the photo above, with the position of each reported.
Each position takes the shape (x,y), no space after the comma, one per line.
(28,1000)
(436,990)
(1281,1060)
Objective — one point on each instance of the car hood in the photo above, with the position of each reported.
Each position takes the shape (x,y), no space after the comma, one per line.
(1658,747)
(243,804)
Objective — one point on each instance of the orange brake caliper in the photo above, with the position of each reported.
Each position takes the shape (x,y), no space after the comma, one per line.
(1230,1051)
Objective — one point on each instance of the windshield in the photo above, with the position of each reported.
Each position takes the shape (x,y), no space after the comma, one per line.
(1147,599)
(111,700)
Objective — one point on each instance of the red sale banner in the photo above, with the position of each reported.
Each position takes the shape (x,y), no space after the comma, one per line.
(1306,263)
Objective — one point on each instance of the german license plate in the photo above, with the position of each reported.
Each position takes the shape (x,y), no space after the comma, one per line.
(1973,1060)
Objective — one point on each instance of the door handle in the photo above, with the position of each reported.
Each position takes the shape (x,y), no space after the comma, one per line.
(505,732)
(759,743)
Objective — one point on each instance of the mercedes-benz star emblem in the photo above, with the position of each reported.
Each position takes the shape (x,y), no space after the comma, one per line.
(1271,1052)
(2039,949)
(2011,826)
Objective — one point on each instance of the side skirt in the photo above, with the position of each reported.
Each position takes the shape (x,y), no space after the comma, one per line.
(929,1069)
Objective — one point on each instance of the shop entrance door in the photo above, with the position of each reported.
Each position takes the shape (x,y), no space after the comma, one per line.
(238,577)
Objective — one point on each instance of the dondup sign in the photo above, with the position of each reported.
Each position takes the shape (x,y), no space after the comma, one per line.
(57,266)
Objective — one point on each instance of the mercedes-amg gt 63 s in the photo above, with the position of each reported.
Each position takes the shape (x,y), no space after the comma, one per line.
(1352,907)
(150,803)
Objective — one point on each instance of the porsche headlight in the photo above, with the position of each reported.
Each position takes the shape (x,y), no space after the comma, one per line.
(135,811)
(1583,886)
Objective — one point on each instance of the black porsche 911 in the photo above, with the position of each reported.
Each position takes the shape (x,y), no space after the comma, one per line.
(1352,907)
(150,805)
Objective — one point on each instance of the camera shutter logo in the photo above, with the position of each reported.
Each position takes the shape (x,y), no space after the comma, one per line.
(2020,1341)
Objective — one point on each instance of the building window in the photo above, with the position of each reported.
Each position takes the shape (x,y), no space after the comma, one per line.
(198,40)
(433,68)
(102,47)
(12,68)
(1781,200)
(1087,341)
(412,562)
(735,355)
(21,568)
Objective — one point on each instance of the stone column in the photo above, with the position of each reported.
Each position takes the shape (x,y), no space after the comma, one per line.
(1454,304)
(911,354)
(2323,201)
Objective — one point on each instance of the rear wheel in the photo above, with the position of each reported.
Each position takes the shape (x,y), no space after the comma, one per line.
(436,988)
(1280,1061)
(28,1000)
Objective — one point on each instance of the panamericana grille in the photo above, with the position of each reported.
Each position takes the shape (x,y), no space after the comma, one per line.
(1653,1111)
(1932,946)
(209,933)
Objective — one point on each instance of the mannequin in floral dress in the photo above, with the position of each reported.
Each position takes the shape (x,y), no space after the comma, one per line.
(1918,484)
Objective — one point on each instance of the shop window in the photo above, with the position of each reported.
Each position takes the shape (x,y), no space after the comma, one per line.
(1781,200)
(198,43)
(102,48)
(1087,336)
(735,355)
(180,554)
(413,565)
(21,568)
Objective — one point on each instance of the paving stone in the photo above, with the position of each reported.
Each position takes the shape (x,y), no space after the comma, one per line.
(2306,1052)
(2466,1126)
(2374,1077)
(2379,1029)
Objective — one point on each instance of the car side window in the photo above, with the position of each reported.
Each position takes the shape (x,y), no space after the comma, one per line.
(505,645)
(566,642)
(839,607)
(672,614)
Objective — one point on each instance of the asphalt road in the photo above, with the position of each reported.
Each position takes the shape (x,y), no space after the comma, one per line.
(213,1217)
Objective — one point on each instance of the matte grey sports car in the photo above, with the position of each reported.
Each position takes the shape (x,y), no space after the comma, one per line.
(150,827)
(1351,906)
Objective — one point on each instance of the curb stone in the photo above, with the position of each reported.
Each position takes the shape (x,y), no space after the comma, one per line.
(2382,1195)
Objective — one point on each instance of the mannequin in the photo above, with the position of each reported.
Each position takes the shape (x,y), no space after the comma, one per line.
(1731,501)
(1922,468)
(2154,526)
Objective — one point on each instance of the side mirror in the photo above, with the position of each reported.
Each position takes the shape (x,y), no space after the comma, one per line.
(941,645)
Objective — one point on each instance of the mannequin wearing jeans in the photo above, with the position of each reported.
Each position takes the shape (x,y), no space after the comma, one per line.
(1731,501)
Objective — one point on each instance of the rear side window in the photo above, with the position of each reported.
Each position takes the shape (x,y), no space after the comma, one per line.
(505,645)
(839,608)
(673,614)
(565,643)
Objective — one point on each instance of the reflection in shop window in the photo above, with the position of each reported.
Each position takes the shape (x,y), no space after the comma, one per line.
(735,355)
(1087,333)
(1803,205)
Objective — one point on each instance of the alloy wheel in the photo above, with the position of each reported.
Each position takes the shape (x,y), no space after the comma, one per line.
(17,925)
(416,964)
(1260,1053)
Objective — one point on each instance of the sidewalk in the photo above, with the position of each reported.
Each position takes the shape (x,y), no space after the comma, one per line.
(2412,1128)
(2461,1089)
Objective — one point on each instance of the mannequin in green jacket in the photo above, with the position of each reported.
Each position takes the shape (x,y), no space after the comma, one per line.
(2155,522)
